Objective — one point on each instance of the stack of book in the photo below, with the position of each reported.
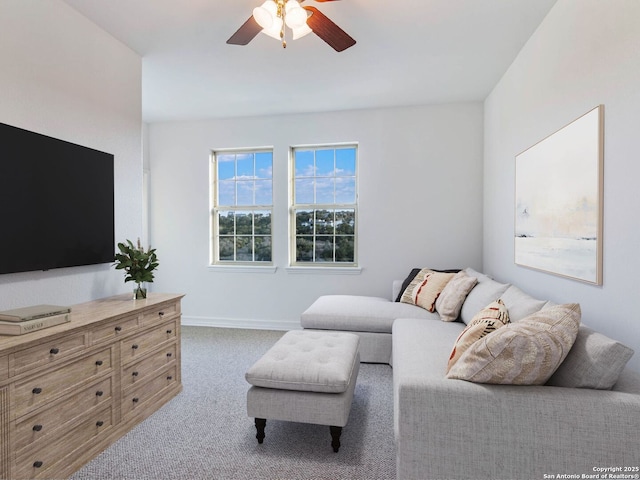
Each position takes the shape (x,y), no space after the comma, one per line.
(29,319)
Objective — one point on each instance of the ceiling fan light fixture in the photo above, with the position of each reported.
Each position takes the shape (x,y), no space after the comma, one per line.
(266,14)
(296,16)
(275,29)
(301,31)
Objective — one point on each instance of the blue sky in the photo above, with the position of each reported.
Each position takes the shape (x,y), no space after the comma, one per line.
(322,176)
(330,175)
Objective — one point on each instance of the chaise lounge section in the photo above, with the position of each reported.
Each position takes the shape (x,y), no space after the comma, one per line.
(585,417)
(371,318)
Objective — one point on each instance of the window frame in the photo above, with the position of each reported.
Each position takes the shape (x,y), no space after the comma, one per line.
(294,207)
(216,208)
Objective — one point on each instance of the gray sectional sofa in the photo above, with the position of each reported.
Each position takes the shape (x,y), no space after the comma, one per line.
(448,428)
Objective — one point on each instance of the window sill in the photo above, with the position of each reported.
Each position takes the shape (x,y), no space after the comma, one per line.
(243,268)
(320,270)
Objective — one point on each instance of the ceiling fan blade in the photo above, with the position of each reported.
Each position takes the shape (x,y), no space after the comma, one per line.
(245,33)
(328,31)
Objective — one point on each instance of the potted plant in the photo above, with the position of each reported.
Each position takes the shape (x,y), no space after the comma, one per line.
(137,264)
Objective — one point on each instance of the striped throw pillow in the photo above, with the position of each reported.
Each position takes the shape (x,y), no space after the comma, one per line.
(425,293)
(486,321)
(407,294)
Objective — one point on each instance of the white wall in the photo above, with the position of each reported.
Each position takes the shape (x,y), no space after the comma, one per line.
(585,53)
(62,76)
(420,204)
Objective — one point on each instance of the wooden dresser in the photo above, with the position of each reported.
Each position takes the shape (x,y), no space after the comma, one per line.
(68,392)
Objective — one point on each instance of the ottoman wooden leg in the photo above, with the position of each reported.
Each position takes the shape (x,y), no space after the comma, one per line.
(260,424)
(335,437)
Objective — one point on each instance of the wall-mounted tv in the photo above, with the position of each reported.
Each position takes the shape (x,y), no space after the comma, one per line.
(56,203)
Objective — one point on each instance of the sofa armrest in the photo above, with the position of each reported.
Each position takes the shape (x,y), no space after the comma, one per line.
(395,289)
(455,429)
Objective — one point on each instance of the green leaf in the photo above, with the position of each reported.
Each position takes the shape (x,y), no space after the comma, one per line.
(137,263)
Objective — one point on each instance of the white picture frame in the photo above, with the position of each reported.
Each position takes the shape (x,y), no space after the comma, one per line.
(559,201)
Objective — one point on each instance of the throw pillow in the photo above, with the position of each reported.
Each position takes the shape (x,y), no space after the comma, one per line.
(527,352)
(407,293)
(412,275)
(406,282)
(452,296)
(426,292)
(594,361)
(487,320)
(485,292)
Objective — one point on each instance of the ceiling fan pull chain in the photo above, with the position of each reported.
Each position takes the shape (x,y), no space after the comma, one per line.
(282,14)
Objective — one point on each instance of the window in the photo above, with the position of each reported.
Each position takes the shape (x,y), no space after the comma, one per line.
(242,207)
(324,210)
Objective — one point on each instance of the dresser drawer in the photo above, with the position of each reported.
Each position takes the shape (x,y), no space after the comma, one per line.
(140,371)
(30,430)
(5,456)
(47,352)
(136,399)
(138,346)
(38,464)
(36,391)
(4,368)
(113,330)
(155,315)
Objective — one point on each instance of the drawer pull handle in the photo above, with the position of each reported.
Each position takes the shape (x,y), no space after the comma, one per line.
(169,354)
(36,391)
(134,374)
(134,346)
(37,464)
(169,377)
(99,393)
(118,329)
(54,351)
(99,363)
(37,428)
(169,332)
(99,423)
(135,399)
(161,314)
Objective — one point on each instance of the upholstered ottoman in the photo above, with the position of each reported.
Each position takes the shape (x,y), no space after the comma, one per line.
(306,377)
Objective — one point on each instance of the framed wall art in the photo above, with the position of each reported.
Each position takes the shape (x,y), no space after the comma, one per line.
(559,183)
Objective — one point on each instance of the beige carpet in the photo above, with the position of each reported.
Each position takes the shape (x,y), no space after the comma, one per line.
(205,433)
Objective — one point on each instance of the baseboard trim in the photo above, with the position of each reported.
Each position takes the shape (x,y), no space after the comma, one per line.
(247,324)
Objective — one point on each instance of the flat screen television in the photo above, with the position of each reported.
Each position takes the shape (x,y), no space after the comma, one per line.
(56,203)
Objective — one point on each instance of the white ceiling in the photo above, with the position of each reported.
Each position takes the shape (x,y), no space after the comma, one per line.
(408,52)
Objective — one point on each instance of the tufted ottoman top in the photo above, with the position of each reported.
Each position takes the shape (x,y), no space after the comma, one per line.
(308,361)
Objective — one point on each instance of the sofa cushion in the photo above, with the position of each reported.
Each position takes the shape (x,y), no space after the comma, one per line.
(426,292)
(359,313)
(594,361)
(485,292)
(421,349)
(328,358)
(520,304)
(420,352)
(527,352)
(452,297)
(487,320)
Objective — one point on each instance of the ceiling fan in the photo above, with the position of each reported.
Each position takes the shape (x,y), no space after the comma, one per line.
(272,16)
